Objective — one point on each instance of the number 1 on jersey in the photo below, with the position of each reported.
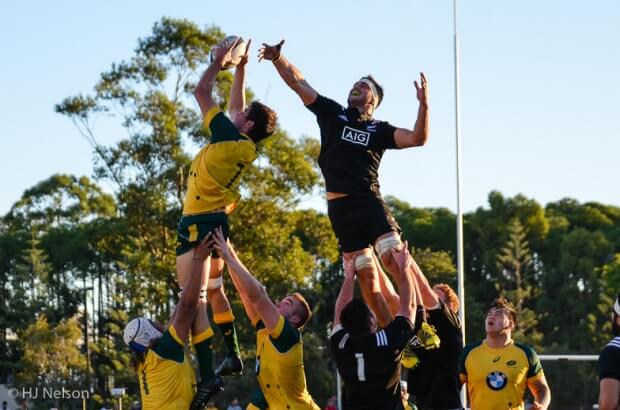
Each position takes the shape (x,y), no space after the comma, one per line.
(361,373)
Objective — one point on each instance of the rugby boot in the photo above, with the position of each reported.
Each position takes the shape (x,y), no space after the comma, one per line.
(409,358)
(205,391)
(427,336)
(231,366)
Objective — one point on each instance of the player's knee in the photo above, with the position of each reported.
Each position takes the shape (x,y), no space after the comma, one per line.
(385,245)
(364,262)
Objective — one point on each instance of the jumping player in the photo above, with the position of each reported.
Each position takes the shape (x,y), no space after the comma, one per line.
(368,359)
(279,348)
(212,187)
(352,144)
(165,374)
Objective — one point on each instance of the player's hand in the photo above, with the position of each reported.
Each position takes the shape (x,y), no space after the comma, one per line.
(537,406)
(205,248)
(402,257)
(422,89)
(221,245)
(245,56)
(348,262)
(271,53)
(222,55)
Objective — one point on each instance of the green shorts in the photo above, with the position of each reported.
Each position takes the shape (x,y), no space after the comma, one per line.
(192,229)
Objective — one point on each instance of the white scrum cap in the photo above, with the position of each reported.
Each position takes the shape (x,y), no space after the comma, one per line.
(139,332)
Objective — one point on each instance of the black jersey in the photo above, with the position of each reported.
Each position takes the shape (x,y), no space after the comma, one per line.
(609,360)
(351,148)
(434,383)
(370,365)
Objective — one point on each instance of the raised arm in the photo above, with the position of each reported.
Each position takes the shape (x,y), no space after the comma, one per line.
(406,285)
(187,307)
(247,284)
(419,135)
(204,89)
(288,72)
(430,300)
(237,92)
(347,288)
(541,392)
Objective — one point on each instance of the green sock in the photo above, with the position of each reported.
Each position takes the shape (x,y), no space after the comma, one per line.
(230,337)
(205,359)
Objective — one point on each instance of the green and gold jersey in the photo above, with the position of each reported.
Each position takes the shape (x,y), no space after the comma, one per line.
(166,376)
(280,367)
(497,378)
(213,179)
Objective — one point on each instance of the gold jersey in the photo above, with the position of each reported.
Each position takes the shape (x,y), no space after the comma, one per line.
(166,382)
(497,378)
(280,367)
(213,180)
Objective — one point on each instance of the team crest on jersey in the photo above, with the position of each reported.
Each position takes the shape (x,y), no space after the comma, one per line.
(355,136)
(497,380)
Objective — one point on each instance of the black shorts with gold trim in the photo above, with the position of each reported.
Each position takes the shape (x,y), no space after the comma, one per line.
(192,229)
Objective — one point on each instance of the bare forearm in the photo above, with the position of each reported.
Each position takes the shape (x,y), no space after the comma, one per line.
(428,296)
(541,392)
(344,297)
(422,125)
(237,93)
(388,291)
(246,284)
(204,89)
(289,73)
(406,289)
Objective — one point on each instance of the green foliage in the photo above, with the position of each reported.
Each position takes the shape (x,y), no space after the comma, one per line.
(559,263)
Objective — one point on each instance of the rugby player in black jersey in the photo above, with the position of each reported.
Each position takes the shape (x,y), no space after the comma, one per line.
(609,365)
(368,359)
(352,144)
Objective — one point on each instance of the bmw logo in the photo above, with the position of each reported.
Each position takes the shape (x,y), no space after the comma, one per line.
(497,380)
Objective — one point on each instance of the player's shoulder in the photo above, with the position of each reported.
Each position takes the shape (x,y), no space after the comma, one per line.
(471,347)
(525,348)
(612,348)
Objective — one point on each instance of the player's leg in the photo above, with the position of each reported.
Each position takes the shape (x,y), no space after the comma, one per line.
(368,277)
(224,319)
(348,219)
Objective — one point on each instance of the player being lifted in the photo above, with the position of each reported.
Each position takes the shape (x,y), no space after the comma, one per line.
(212,187)
(352,144)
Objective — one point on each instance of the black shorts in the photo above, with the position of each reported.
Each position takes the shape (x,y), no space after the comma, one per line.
(192,229)
(358,221)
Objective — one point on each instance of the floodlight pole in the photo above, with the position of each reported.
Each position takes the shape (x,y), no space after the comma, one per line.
(459,200)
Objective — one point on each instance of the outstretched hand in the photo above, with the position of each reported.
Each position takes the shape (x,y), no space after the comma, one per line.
(205,248)
(245,56)
(422,89)
(222,55)
(271,53)
(221,245)
(402,257)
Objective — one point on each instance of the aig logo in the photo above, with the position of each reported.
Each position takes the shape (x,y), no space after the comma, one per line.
(355,136)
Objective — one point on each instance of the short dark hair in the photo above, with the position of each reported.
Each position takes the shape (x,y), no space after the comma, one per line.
(303,311)
(264,119)
(378,86)
(356,318)
(505,304)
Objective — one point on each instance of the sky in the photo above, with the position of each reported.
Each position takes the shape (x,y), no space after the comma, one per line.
(540,86)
